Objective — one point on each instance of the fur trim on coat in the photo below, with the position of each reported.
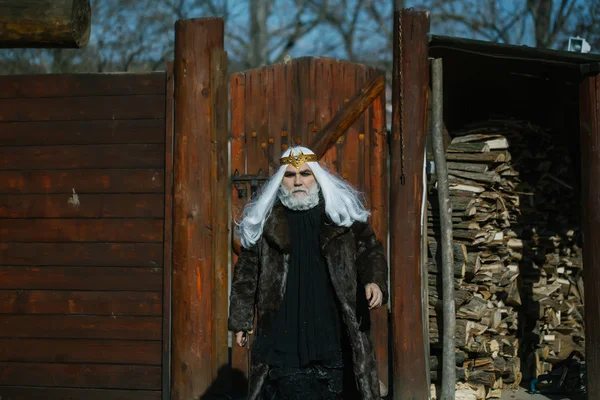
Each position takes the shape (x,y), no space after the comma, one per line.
(354,258)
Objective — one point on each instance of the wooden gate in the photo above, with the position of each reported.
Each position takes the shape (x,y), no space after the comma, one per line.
(82,212)
(282,105)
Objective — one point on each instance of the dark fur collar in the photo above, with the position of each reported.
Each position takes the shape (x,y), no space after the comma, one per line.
(276,230)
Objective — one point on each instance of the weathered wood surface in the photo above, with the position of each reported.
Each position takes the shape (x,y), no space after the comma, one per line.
(71,157)
(142,377)
(77,278)
(87,181)
(345,117)
(122,205)
(239,355)
(47,393)
(146,352)
(168,135)
(82,225)
(82,85)
(88,108)
(290,104)
(589,99)
(409,102)
(45,23)
(220,190)
(193,281)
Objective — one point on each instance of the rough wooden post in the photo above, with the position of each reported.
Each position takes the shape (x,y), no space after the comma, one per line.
(409,102)
(589,103)
(193,247)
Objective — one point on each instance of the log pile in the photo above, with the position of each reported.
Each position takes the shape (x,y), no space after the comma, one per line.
(517,249)
(487,252)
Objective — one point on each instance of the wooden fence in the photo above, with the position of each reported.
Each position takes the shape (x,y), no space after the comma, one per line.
(82,190)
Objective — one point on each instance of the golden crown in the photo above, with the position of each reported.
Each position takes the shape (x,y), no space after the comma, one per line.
(298,159)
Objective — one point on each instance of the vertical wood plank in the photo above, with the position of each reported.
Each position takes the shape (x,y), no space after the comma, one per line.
(324,103)
(589,101)
(306,100)
(378,177)
(220,213)
(277,102)
(410,85)
(193,258)
(294,106)
(239,355)
(349,151)
(168,236)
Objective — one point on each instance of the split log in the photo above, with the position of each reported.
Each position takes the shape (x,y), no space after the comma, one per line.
(44,23)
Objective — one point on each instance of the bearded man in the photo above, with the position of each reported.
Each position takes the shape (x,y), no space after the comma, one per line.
(313,268)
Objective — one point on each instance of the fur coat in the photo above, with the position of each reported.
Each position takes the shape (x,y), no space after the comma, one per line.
(354,258)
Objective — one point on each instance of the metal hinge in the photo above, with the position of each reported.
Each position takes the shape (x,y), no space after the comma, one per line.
(239,182)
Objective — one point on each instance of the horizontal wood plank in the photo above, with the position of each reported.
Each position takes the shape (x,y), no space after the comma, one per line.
(81,278)
(83,181)
(83,254)
(80,302)
(45,393)
(82,206)
(86,156)
(83,108)
(81,351)
(80,327)
(60,85)
(81,375)
(81,230)
(54,133)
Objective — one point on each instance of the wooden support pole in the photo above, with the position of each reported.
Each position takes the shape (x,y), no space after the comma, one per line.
(348,114)
(193,285)
(589,103)
(449,312)
(409,102)
(44,23)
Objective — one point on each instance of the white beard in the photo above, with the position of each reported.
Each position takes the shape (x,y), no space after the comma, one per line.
(287,198)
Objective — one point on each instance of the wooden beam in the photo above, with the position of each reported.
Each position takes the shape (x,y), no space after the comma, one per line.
(348,114)
(589,103)
(44,23)
(193,247)
(409,102)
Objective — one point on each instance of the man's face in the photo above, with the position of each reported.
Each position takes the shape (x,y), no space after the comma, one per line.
(299,182)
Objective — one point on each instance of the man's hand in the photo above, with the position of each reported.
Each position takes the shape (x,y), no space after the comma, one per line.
(241,338)
(374,295)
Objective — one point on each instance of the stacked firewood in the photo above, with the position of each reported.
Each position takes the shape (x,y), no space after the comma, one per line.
(517,248)
(549,224)
(487,252)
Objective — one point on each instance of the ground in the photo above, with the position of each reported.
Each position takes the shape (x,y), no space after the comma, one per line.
(524,395)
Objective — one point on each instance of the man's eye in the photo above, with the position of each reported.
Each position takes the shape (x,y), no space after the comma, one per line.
(306,174)
(289,175)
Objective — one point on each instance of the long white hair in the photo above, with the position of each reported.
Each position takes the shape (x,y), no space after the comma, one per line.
(343,203)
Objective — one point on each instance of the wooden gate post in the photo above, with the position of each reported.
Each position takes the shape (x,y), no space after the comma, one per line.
(589,103)
(193,284)
(407,147)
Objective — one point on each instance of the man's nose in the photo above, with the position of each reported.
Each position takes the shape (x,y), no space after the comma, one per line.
(297,181)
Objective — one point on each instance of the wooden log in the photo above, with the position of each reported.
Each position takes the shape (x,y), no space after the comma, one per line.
(407,147)
(348,114)
(45,23)
(445,209)
(193,248)
(589,98)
